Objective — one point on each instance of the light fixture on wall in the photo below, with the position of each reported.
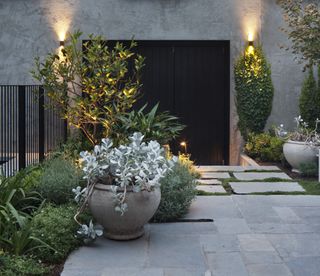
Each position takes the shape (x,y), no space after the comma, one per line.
(250,49)
(183,144)
(250,39)
(61,43)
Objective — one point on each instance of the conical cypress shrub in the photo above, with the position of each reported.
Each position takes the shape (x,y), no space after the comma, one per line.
(309,102)
(254,91)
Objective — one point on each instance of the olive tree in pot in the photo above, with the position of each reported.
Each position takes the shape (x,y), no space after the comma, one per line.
(123,190)
(302,145)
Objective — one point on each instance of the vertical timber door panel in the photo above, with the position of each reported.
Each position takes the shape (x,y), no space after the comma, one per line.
(200,95)
(157,77)
(191,79)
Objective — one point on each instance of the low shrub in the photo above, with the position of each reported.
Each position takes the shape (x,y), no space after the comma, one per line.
(309,169)
(55,226)
(59,177)
(177,192)
(21,265)
(264,147)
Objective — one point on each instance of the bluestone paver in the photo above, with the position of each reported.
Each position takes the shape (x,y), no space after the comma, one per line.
(248,176)
(305,266)
(261,257)
(212,207)
(127,271)
(281,228)
(211,189)
(220,243)
(232,226)
(166,250)
(255,242)
(184,228)
(296,245)
(220,168)
(249,235)
(265,187)
(268,270)
(216,175)
(226,264)
(209,181)
(287,215)
(261,168)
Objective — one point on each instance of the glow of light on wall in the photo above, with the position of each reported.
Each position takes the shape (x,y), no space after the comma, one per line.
(60,16)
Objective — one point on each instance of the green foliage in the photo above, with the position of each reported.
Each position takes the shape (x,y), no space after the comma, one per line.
(254,91)
(303,20)
(11,265)
(91,85)
(55,226)
(154,125)
(59,177)
(309,169)
(264,147)
(177,192)
(16,205)
(309,102)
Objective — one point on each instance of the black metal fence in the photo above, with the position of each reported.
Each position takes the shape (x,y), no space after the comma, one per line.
(28,131)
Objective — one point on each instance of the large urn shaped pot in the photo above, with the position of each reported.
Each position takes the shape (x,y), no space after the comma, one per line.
(129,225)
(297,153)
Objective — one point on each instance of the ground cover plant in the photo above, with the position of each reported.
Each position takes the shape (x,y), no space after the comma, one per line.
(264,147)
(178,190)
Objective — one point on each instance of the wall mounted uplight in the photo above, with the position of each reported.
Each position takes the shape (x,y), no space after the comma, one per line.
(183,144)
(61,43)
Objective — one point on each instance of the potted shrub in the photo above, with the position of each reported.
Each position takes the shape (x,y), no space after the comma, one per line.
(123,190)
(302,145)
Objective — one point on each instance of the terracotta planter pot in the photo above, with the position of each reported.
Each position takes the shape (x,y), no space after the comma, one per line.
(141,208)
(297,153)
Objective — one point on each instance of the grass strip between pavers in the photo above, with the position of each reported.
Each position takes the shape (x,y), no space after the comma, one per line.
(312,187)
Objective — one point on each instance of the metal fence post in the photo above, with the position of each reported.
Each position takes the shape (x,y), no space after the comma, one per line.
(22,126)
(41,124)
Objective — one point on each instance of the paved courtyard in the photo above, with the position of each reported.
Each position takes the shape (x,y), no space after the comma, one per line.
(250,235)
(232,235)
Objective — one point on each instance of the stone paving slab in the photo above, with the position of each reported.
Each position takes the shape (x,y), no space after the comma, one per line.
(261,168)
(216,175)
(232,226)
(255,242)
(209,181)
(220,168)
(305,266)
(295,245)
(226,264)
(211,189)
(212,207)
(265,187)
(248,176)
(220,243)
(267,235)
(268,270)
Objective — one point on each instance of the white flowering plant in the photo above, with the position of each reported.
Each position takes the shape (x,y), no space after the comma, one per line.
(302,132)
(138,166)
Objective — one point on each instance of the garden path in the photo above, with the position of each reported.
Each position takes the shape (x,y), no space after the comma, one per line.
(231,235)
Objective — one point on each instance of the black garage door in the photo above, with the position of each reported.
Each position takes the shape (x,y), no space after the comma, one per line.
(191,79)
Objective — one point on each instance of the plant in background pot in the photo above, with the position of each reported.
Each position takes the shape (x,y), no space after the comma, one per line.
(301,145)
(123,190)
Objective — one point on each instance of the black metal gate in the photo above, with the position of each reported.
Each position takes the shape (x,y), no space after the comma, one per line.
(192,80)
(28,131)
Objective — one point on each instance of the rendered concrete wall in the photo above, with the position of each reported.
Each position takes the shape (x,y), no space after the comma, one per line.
(32,27)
